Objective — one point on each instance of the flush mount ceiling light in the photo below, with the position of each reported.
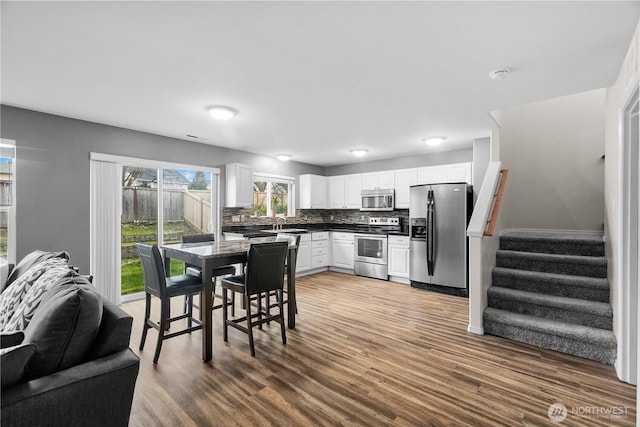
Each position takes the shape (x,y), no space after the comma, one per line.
(500,74)
(221,112)
(359,152)
(434,140)
(283,157)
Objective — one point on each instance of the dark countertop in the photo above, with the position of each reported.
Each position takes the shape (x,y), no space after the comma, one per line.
(256,231)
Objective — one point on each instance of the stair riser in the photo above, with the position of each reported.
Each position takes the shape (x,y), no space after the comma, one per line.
(556,288)
(554,313)
(550,247)
(552,342)
(587,269)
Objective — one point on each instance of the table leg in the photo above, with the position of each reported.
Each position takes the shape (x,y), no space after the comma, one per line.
(291,289)
(206,304)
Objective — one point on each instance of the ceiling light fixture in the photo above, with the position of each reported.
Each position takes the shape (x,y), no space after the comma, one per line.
(434,140)
(221,112)
(500,74)
(283,157)
(359,152)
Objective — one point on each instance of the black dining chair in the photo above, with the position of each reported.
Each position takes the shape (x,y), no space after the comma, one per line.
(224,270)
(164,288)
(294,242)
(264,273)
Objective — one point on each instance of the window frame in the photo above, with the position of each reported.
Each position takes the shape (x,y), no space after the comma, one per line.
(11,209)
(280,179)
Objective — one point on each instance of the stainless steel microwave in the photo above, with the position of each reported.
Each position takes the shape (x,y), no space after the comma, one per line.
(377,200)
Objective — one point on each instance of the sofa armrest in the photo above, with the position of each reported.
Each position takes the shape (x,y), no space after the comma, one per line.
(96,393)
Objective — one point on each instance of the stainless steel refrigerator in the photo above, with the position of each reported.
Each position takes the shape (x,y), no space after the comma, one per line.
(438,219)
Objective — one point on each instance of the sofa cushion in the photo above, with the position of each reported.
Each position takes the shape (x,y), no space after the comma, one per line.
(10,339)
(13,361)
(64,326)
(27,307)
(29,261)
(114,333)
(16,291)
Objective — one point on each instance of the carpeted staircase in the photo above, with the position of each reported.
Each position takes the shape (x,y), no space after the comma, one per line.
(550,289)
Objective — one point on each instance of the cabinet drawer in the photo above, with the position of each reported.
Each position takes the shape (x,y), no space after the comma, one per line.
(320,244)
(323,235)
(398,240)
(319,251)
(338,235)
(320,261)
(305,237)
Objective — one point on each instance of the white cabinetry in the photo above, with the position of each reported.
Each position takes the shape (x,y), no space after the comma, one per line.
(344,191)
(382,179)
(342,250)
(398,252)
(239,185)
(313,192)
(457,172)
(303,260)
(405,178)
(320,249)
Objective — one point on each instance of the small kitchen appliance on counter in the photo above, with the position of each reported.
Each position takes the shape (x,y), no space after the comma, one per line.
(370,258)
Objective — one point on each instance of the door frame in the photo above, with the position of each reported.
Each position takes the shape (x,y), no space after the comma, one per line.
(628,242)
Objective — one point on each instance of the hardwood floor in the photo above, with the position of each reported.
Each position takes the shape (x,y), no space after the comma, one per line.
(369,353)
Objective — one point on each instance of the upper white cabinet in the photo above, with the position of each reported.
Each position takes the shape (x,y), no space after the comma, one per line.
(382,179)
(313,192)
(344,191)
(457,172)
(239,185)
(405,178)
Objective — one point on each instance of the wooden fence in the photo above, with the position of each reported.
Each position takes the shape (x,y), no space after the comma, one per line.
(197,210)
(141,204)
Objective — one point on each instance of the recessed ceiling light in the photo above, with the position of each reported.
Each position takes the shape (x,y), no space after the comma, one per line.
(221,112)
(359,152)
(434,140)
(500,74)
(283,157)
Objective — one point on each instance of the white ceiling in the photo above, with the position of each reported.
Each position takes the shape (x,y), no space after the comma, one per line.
(313,79)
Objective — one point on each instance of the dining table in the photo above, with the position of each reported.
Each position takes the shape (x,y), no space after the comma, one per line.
(208,256)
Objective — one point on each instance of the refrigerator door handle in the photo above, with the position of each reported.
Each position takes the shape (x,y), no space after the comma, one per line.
(430,231)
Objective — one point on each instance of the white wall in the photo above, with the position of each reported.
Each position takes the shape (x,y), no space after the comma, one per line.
(614,99)
(553,151)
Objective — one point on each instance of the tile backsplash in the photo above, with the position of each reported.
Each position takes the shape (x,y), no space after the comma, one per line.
(310,216)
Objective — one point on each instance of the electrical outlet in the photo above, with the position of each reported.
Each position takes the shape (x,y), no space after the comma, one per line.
(362,217)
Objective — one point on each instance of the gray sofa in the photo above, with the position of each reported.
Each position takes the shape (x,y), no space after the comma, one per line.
(88,380)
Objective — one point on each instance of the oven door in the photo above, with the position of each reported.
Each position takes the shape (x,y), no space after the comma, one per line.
(371,249)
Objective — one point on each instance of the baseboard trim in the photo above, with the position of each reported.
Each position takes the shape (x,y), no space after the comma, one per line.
(474,330)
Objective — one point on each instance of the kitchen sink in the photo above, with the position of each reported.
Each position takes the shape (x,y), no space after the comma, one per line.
(287,230)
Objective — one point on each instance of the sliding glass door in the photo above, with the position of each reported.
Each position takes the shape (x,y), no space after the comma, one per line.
(162,201)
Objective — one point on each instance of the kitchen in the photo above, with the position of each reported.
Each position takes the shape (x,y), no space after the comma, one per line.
(358,223)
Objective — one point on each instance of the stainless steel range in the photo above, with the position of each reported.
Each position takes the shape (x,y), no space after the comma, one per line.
(370,258)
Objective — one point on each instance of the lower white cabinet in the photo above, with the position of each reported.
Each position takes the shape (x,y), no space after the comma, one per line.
(320,249)
(342,250)
(303,261)
(398,256)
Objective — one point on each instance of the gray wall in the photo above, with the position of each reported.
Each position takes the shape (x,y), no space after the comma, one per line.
(433,159)
(553,151)
(52,181)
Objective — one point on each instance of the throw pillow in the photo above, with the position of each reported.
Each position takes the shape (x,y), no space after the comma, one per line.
(14,293)
(29,261)
(64,326)
(24,311)
(13,361)
(9,340)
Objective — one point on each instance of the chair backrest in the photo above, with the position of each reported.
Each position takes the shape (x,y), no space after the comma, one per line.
(152,269)
(293,239)
(198,238)
(265,267)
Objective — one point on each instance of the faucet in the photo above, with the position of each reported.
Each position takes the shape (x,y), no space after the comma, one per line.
(279,226)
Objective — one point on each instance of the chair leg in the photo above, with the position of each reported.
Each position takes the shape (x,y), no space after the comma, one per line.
(281,307)
(233,304)
(259,304)
(189,309)
(224,314)
(147,313)
(247,303)
(164,324)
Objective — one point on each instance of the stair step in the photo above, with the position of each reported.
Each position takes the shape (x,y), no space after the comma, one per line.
(570,310)
(583,243)
(575,265)
(591,343)
(562,285)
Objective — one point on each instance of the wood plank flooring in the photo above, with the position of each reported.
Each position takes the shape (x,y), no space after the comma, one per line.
(370,353)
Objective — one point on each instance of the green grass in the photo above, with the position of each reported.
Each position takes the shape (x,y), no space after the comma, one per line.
(132,280)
